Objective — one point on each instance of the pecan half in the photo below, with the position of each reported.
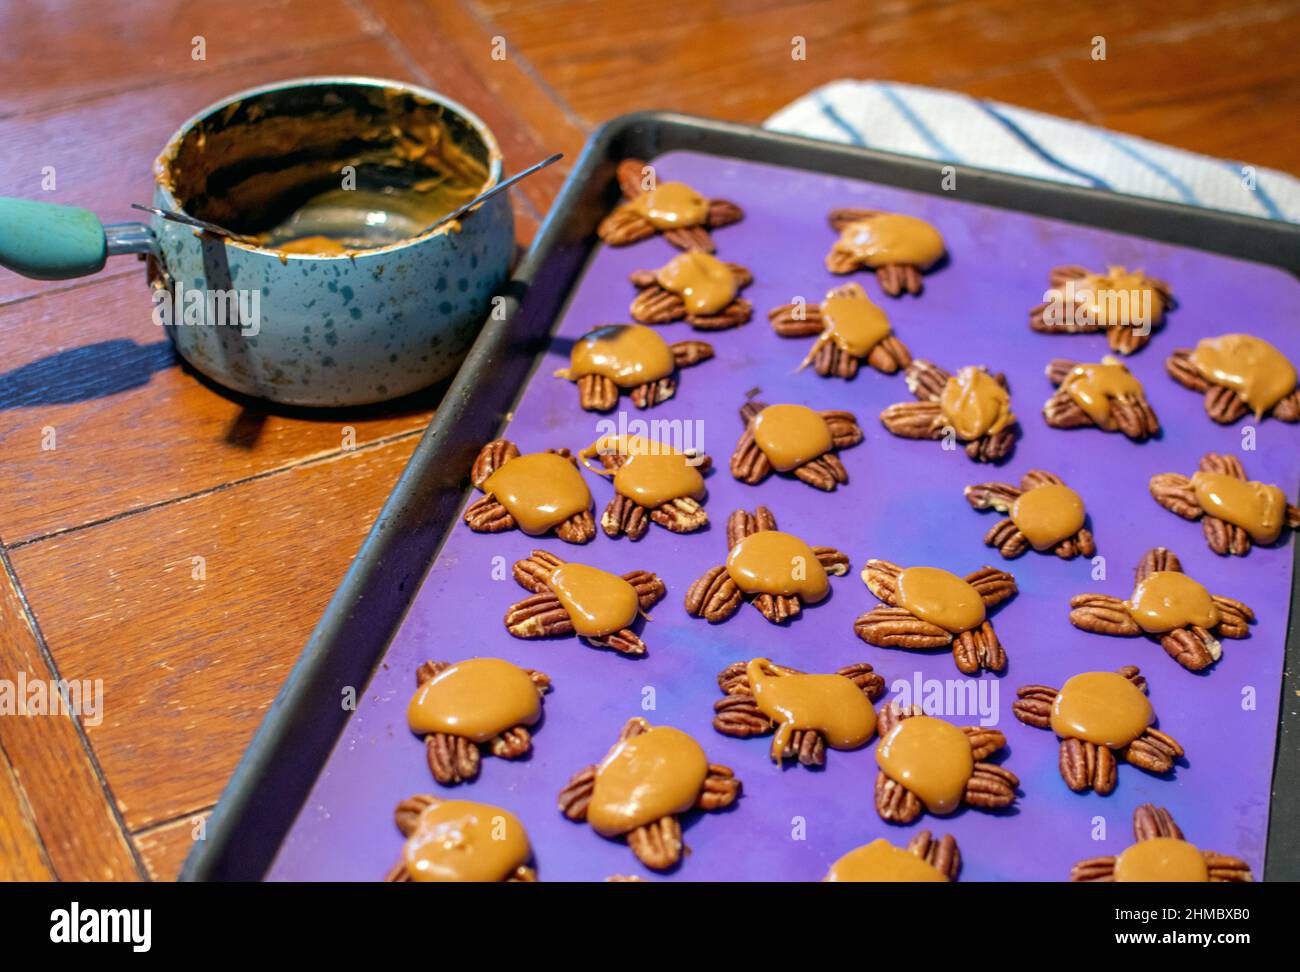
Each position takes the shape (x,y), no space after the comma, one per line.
(452,759)
(511,744)
(1086,766)
(890,627)
(941,854)
(1153,751)
(624,517)
(576,795)
(657,845)
(714,597)
(991,787)
(490,458)
(979,650)
(739,716)
(1194,648)
(720,790)
(894,802)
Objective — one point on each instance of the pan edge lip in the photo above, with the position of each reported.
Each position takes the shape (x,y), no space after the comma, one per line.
(480,127)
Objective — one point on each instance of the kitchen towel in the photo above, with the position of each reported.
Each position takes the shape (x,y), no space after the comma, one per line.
(952,127)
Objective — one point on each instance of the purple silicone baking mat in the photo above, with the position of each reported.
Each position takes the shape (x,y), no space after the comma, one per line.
(903,503)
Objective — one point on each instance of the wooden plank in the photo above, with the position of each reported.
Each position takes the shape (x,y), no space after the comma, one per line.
(68,803)
(191,662)
(164,848)
(604,59)
(56,54)
(130,427)
(22,858)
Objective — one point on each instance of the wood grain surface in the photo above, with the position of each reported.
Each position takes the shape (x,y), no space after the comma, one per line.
(119,467)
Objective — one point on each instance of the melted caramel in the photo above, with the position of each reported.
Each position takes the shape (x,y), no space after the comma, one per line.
(703,282)
(1104,708)
(790,435)
(1163,859)
(652,473)
(1250,366)
(882,861)
(1168,600)
(627,354)
(829,704)
(1093,386)
(672,205)
(1119,297)
(658,773)
(772,562)
(889,238)
(319,245)
(478,699)
(457,840)
(540,490)
(941,598)
(598,603)
(1047,515)
(1257,508)
(854,323)
(931,758)
(975,404)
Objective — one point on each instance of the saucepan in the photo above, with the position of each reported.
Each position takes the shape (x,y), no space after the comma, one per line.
(318,280)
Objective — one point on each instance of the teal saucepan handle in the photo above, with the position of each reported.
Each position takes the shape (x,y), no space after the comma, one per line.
(46,241)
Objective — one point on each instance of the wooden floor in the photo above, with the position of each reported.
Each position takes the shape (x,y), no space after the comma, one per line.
(119,468)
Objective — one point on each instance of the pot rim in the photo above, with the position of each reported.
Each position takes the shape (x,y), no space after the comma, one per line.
(162,162)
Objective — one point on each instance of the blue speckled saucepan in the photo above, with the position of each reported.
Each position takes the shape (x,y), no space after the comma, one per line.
(392,313)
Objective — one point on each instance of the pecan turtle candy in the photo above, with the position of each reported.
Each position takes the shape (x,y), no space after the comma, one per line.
(794,439)
(925,860)
(849,329)
(597,606)
(1161,854)
(928,764)
(652,483)
(1127,304)
(972,406)
(807,713)
(681,214)
(926,607)
(778,572)
(1044,514)
(1103,395)
(1235,512)
(461,708)
(1170,607)
(898,248)
(1100,718)
(459,840)
(1239,375)
(538,492)
(628,357)
(649,778)
(695,287)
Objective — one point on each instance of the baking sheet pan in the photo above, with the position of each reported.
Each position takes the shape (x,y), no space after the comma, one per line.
(903,503)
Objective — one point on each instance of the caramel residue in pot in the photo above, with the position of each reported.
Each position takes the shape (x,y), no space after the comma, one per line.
(627,354)
(790,435)
(1167,600)
(1093,386)
(672,205)
(540,490)
(459,840)
(1104,708)
(1162,859)
(703,282)
(652,473)
(829,704)
(1250,366)
(891,238)
(319,245)
(931,758)
(1128,293)
(644,778)
(772,562)
(974,403)
(477,699)
(1048,514)
(881,861)
(1258,508)
(597,602)
(943,599)
(854,323)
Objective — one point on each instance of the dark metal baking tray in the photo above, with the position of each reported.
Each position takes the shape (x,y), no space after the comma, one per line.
(278,770)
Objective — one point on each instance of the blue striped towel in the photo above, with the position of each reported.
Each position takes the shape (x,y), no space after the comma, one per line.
(952,127)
